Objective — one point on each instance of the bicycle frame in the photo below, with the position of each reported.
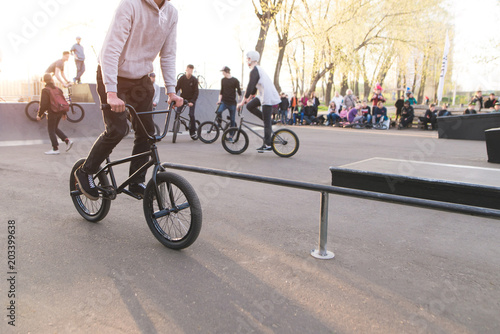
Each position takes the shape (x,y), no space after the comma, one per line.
(244,123)
(153,161)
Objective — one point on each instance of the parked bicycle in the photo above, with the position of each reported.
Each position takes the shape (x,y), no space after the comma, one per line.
(178,120)
(74,115)
(209,131)
(171,207)
(285,142)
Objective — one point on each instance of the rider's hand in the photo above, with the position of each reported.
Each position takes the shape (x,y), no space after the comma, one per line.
(190,104)
(38,118)
(64,117)
(240,105)
(117,105)
(179,101)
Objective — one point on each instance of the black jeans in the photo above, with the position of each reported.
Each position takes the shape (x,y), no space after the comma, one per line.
(192,119)
(265,115)
(138,93)
(53,120)
(406,121)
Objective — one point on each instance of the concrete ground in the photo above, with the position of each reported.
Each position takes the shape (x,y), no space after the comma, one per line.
(397,269)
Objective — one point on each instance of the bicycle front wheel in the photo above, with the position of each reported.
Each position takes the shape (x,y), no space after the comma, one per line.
(75,113)
(172,210)
(235,141)
(285,143)
(93,211)
(31,110)
(208,132)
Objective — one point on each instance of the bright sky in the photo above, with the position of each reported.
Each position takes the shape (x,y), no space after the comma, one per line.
(211,34)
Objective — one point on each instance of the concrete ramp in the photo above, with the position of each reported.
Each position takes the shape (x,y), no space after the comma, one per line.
(17,129)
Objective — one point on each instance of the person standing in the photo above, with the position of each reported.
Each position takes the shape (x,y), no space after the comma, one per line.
(377,96)
(399,107)
(188,86)
(267,97)
(294,103)
(77,51)
(229,87)
(53,116)
(338,100)
(139,30)
(156,97)
(284,106)
(478,100)
(350,100)
(57,69)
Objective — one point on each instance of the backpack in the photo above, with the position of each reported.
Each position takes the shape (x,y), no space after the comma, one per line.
(58,103)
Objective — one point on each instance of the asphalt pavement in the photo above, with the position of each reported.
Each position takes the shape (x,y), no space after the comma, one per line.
(397,269)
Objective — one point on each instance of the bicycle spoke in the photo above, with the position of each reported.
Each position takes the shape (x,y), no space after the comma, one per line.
(175,225)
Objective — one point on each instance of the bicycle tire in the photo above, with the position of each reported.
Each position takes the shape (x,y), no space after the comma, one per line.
(285,143)
(93,211)
(176,128)
(180,227)
(202,83)
(75,113)
(237,146)
(31,110)
(208,132)
(127,131)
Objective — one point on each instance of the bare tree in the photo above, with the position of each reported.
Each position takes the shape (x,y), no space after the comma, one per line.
(268,11)
(283,39)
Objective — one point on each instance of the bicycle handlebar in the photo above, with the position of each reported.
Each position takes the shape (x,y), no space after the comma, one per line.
(134,113)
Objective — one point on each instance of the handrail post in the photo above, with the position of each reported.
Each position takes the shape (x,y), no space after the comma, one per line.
(322,253)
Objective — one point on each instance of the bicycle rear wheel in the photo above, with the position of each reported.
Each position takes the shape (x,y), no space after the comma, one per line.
(75,113)
(285,143)
(235,141)
(208,132)
(93,211)
(31,110)
(178,225)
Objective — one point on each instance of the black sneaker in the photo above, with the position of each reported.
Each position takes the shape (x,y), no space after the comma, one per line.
(194,136)
(264,148)
(137,188)
(86,184)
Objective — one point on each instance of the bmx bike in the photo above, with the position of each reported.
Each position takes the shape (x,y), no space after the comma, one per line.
(284,142)
(186,122)
(74,115)
(171,207)
(209,131)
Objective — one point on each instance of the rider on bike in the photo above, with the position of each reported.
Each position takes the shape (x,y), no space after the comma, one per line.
(267,97)
(227,97)
(139,31)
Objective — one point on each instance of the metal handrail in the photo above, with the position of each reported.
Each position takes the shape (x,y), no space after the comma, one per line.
(322,252)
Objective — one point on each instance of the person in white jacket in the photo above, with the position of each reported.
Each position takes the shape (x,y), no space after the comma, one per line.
(139,31)
(267,97)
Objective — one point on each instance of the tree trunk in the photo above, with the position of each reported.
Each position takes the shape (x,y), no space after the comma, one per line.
(414,86)
(344,86)
(329,87)
(279,64)
(269,11)
(317,77)
(356,83)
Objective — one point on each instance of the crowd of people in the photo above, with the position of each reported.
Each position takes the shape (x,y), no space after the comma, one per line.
(349,111)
